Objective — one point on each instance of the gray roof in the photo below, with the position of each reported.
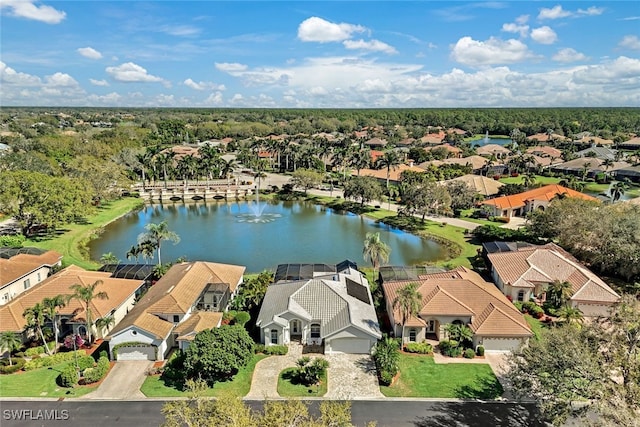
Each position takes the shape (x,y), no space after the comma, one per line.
(324,299)
(600,153)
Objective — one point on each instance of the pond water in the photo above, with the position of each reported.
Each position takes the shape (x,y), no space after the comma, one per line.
(285,232)
(486,141)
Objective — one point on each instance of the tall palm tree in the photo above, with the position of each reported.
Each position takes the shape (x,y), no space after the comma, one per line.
(360,159)
(570,314)
(51,306)
(227,167)
(155,234)
(407,301)
(617,190)
(389,161)
(558,293)
(85,294)
(375,250)
(105,323)
(528,180)
(109,258)
(392,193)
(134,252)
(10,341)
(35,317)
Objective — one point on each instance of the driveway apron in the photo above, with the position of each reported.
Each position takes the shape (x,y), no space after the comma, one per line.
(123,381)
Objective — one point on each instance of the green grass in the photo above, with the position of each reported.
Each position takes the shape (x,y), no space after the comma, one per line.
(421,377)
(289,387)
(71,240)
(544,180)
(240,385)
(536,325)
(39,383)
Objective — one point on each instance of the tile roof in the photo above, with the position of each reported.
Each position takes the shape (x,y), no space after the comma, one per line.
(22,264)
(492,149)
(545,150)
(462,292)
(118,290)
(546,192)
(176,292)
(546,264)
(481,184)
(198,322)
(394,174)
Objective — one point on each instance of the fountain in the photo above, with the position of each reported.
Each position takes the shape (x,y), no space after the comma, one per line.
(486,138)
(257,215)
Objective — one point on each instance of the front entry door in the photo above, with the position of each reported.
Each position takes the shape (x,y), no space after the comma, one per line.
(296,328)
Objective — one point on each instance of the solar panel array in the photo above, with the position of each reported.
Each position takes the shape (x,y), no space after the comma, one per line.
(357,291)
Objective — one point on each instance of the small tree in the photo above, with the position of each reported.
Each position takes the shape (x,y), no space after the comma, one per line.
(51,306)
(35,317)
(104,323)
(9,341)
(306,179)
(85,294)
(109,258)
(408,302)
(310,371)
(375,250)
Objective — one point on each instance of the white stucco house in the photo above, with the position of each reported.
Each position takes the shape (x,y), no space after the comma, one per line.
(22,268)
(328,306)
(174,309)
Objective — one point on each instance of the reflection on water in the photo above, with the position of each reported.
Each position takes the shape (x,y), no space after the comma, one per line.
(230,232)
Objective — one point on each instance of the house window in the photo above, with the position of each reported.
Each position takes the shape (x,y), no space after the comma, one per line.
(315,330)
(520,295)
(215,301)
(176,318)
(27,283)
(274,336)
(432,326)
(412,335)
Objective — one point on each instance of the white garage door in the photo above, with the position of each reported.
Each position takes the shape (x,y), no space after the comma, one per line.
(500,344)
(136,353)
(350,345)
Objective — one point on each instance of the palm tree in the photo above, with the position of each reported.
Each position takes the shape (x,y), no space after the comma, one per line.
(51,306)
(155,234)
(617,190)
(10,341)
(104,323)
(227,168)
(570,314)
(607,163)
(407,301)
(109,258)
(528,180)
(390,160)
(360,159)
(85,294)
(392,193)
(375,250)
(134,252)
(35,317)
(558,293)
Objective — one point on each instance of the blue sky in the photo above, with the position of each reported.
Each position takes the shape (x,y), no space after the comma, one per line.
(317,54)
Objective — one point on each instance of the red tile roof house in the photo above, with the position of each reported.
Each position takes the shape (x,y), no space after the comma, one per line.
(186,300)
(459,296)
(525,272)
(523,203)
(23,268)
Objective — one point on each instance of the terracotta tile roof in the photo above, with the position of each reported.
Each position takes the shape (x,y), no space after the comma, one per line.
(450,148)
(118,290)
(476,162)
(462,292)
(545,264)
(481,184)
(22,264)
(546,192)
(376,141)
(545,151)
(394,175)
(177,292)
(433,138)
(198,322)
(492,149)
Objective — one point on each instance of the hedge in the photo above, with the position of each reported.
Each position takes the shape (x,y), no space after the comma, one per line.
(279,350)
(469,353)
(18,364)
(93,375)
(52,360)
(85,362)
(36,351)
(418,347)
(69,376)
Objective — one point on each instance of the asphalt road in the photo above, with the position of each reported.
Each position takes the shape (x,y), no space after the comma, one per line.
(388,413)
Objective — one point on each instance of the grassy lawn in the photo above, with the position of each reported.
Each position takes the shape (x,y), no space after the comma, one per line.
(39,383)
(536,325)
(421,377)
(544,180)
(289,387)
(71,239)
(239,386)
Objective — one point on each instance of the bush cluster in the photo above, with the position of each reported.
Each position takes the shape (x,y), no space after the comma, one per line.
(418,347)
(36,351)
(279,350)
(450,348)
(387,357)
(480,350)
(93,375)
(52,360)
(533,309)
(469,353)
(85,362)
(69,376)
(17,364)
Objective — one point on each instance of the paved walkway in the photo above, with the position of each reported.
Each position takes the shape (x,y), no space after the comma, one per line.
(123,381)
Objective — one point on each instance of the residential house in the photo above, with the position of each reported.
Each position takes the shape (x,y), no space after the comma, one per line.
(376,142)
(587,167)
(545,151)
(524,272)
(156,323)
(594,140)
(538,198)
(121,298)
(458,296)
(22,268)
(631,173)
(602,153)
(394,173)
(498,151)
(481,184)
(451,151)
(631,144)
(318,304)
(476,163)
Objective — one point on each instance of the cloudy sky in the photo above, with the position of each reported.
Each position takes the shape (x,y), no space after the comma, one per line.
(319,54)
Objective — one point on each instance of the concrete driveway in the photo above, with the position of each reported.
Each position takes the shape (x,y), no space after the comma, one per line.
(352,376)
(123,381)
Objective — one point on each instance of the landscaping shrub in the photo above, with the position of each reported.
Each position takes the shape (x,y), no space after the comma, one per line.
(17,364)
(533,309)
(418,347)
(12,241)
(469,353)
(386,378)
(258,348)
(242,318)
(450,348)
(69,376)
(85,362)
(104,354)
(518,305)
(52,360)
(93,375)
(480,350)
(310,371)
(36,351)
(278,350)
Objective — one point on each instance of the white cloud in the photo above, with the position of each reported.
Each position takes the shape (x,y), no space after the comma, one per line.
(372,45)
(61,80)
(214,99)
(130,72)
(316,29)
(591,11)
(180,30)
(9,76)
(493,51)
(202,85)
(555,12)
(230,67)
(522,19)
(523,30)
(89,52)
(25,89)
(569,55)
(544,35)
(630,42)
(99,82)
(28,10)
